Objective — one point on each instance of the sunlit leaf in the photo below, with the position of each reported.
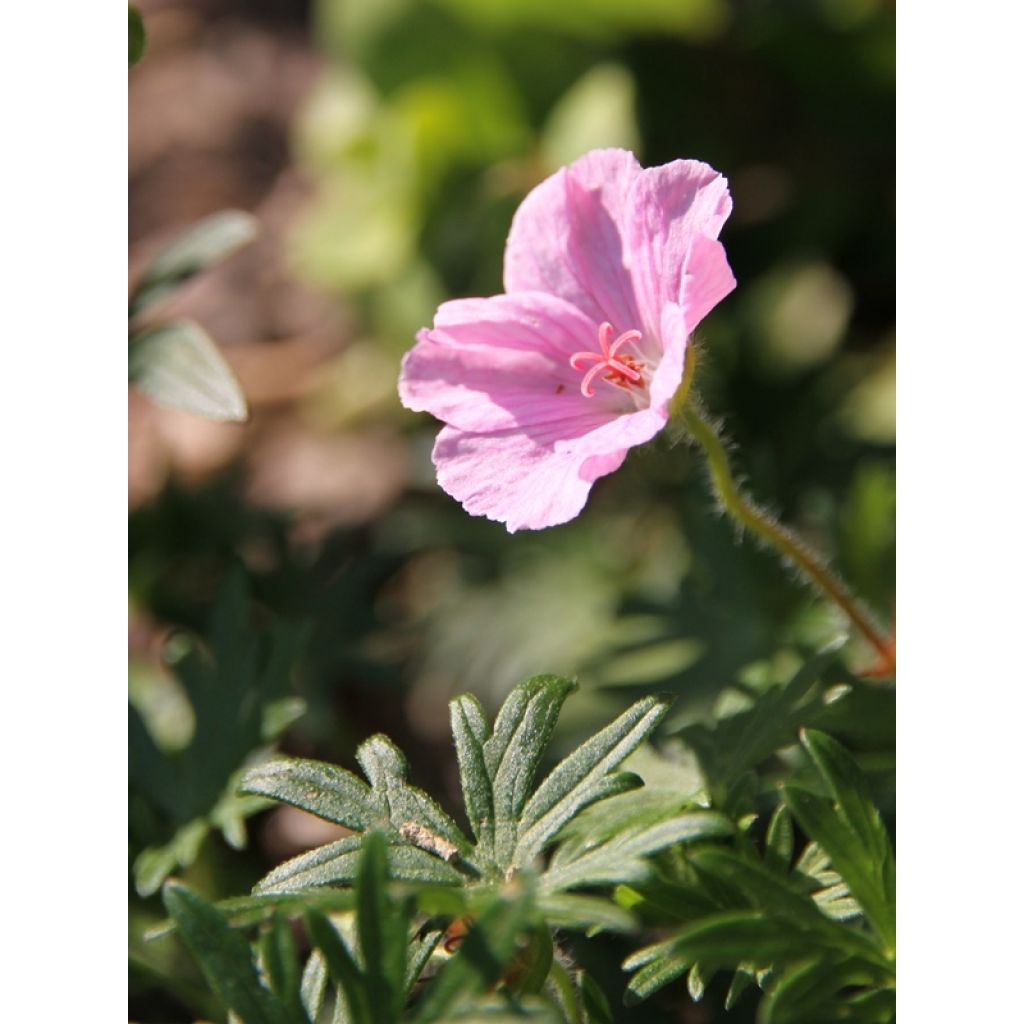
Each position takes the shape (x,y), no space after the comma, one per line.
(178,365)
(202,246)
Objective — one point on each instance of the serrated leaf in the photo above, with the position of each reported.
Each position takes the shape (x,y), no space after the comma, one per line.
(470,731)
(741,741)
(622,858)
(655,975)
(322,789)
(848,788)
(818,818)
(337,864)
(200,247)
(521,734)
(136,36)
(223,955)
(581,778)
(178,365)
(398,802)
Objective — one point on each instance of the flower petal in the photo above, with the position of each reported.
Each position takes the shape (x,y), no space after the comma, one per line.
(503,362)
(707,279)
(514,479)
(566,237)
(670,207)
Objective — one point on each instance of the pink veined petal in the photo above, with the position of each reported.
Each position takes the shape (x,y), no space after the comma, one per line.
(512,479)
(669,208)
(707,279)
(492,364)
(566,237)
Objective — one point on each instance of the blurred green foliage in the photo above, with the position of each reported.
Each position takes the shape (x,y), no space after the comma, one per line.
(430,121)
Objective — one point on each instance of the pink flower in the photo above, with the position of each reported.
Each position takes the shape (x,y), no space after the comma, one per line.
(608,269)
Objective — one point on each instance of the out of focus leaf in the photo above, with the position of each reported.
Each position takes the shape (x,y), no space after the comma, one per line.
(235,689)
(739,742)
(178,365)
(202,246)
(595,113)
(851,832)
(136,36)
(485,952)
(224,956)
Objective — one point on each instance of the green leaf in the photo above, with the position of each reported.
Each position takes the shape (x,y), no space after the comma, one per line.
(497,770)
(596,1009)
(230,683)
(741,741)
(136,36)
(223,955)
(202,246)
(778,844)
(383,930)
(584,913)
(245,911)
(623,858)
(155,863)
(420,952)
(848,788)
(534,963)
(818,818)
(483,956)
(582,778)
(742,979)
(178,365)
(654,976)
(341,967)
(314,984)
(470,731)
(337,863)
(279,958)
(322,789)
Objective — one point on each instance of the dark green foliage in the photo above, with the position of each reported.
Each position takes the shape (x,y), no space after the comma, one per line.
(238,687)
(795,929)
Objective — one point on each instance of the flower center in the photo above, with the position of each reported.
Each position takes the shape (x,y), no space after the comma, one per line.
(624,371)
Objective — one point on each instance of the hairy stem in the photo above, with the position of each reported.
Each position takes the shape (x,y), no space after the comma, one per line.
(751,517)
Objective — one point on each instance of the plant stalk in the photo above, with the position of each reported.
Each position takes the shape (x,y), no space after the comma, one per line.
(751,517)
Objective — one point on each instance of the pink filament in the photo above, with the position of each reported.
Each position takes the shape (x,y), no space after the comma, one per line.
(605,359)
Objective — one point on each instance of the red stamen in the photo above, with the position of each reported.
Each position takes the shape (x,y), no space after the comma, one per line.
(623,371)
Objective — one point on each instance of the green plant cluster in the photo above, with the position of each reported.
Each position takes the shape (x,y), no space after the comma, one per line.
(588,849)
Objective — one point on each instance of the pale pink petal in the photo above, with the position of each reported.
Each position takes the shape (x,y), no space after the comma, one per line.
(670,207)
(566,237)
(707,279)
(492,364)
(515,479)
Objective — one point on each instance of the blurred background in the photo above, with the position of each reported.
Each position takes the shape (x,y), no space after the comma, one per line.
(383,146)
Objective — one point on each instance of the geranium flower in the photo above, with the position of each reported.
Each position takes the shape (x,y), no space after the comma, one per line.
(545,388)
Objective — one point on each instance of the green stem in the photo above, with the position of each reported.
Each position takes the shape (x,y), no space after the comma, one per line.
(755,519)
